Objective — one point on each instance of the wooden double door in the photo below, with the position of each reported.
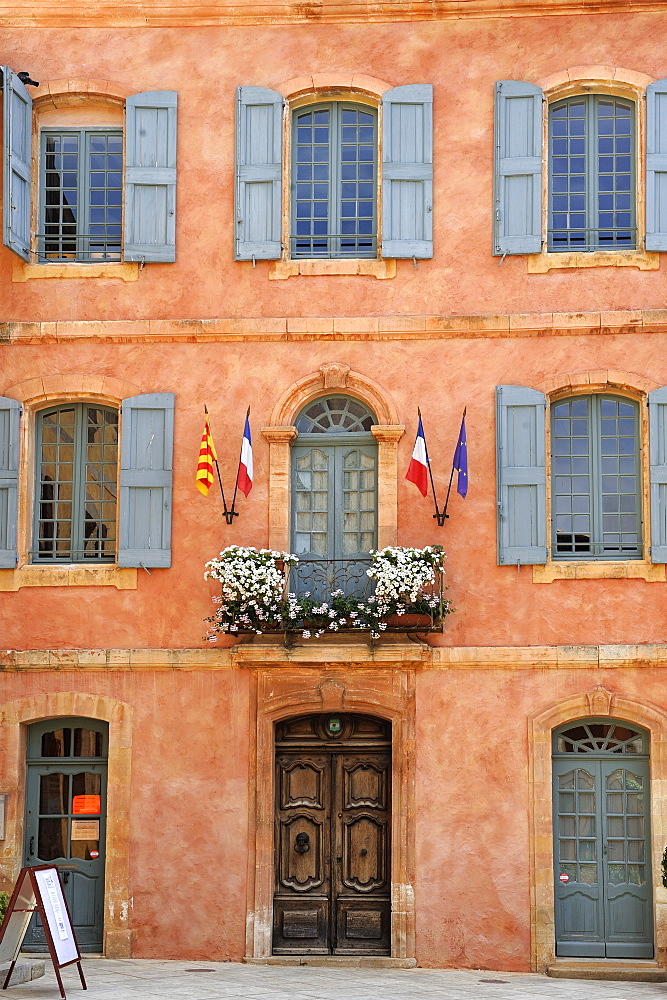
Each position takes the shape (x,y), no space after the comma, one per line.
(332,836)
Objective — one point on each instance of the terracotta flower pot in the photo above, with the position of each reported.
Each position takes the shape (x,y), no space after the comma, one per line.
(408,621)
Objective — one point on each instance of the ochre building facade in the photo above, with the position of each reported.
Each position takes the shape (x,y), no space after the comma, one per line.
(435,206)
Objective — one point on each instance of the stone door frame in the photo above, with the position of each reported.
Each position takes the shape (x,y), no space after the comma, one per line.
(281,693)
(15,718)
(598,702)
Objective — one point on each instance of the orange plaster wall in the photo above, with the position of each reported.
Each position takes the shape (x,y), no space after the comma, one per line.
(495,605)
(189,832)
(472,894)
(189,803)
(462,58)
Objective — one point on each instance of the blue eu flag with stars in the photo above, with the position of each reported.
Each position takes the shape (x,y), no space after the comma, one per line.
(461,460)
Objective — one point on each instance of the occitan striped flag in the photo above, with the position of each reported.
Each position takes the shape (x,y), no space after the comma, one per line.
(207,455)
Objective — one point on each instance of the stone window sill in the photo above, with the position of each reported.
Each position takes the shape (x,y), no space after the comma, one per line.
(630,570)
(280,270)
(74,575)
(22,271)
(540,263)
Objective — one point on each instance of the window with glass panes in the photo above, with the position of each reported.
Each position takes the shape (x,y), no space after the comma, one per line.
(592,174)
(334,178)
(81,190)
(77,484)
(595,478)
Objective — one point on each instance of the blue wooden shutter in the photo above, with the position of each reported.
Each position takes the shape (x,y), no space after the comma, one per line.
(150,176)
(656,166)
(147,444)
(518,168)
(10,411)
(657,417)
(522,527)
(407,172)
(259,144)
(17,108)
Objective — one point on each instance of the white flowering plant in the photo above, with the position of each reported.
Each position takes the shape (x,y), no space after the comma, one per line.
(252,589)
(254,598)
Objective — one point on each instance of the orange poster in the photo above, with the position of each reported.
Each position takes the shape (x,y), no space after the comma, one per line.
(86,804)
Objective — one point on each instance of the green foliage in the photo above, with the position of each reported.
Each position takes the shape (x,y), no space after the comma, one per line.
(4,903)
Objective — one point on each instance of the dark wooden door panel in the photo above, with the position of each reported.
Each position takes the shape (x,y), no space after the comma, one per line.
(301,925)
(363,926)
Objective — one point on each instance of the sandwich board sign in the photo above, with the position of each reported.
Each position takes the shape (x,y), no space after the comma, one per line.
(38,890)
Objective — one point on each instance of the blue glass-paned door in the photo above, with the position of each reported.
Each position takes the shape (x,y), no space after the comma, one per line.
(603,896)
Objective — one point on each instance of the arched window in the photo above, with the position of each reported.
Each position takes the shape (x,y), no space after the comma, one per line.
(77,484)
(592,174)
(595,478)
(334,493)
(334,181)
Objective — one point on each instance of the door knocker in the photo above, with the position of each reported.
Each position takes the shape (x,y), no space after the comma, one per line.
(302,845)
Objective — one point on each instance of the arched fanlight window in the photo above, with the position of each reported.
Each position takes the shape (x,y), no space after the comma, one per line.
(593,736)
(335,414)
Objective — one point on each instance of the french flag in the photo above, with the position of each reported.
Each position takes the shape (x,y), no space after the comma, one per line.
(244,478)
(418,469)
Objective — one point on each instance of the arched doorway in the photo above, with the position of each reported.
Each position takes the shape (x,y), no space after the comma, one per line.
(332,836)
(334,496)
(603,898)
(66,818)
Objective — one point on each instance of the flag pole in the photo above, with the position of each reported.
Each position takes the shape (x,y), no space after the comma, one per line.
(449,488)
(438,515)
(217,469)
(234,513)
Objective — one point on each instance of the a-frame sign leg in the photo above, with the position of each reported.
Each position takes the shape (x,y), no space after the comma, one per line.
(56,969)
(9,975)
(83,981)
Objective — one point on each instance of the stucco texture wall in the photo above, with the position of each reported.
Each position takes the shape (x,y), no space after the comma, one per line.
(494,605)
(186,828)
(461,58)
(474,803)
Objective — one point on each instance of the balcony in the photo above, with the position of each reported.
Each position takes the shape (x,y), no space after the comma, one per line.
(395,590)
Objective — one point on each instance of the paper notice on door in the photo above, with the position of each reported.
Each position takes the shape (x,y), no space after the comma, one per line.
(86,804)
(85,829)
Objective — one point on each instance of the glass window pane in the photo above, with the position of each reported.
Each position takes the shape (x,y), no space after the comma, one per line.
(56,743)
(52,839)
(53,794)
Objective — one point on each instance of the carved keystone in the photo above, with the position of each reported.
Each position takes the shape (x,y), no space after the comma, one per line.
(332,694)
(334,375)
(600,701)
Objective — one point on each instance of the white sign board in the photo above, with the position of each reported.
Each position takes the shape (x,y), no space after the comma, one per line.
(17,922)
(56,915)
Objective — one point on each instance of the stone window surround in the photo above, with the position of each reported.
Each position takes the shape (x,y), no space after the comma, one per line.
(61,103)
(596,702)
(297,93)
(635,387)
(281,433)
(615,81)
(36,394)
(14,721)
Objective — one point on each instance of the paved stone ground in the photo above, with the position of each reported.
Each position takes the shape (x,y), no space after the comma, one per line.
(138,979)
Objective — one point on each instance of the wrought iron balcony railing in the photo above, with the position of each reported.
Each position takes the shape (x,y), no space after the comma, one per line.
(320,577)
